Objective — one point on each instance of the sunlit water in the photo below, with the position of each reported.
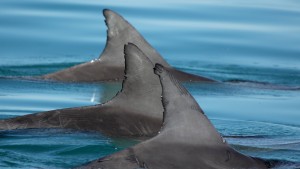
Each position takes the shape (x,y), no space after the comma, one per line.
(252,47)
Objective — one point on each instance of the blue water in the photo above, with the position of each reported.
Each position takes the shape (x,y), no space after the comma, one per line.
(252,47)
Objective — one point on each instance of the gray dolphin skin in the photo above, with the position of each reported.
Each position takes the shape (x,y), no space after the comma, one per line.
(110,65)
(187,139)
(136,111)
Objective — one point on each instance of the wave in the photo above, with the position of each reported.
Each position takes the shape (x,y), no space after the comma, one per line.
(274,158)
(261,85)
(277,83)
(33,70)
(282,164)
(245,136)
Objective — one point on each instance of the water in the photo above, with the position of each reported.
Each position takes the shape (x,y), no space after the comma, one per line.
(253,47)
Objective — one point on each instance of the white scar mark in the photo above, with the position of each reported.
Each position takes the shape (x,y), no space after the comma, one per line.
(47,122)
(63,123)
(10,126)
(25,126)
(57,118)
(78,128)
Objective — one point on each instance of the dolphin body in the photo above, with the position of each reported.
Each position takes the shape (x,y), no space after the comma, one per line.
(186,140)
(110,65)
(136,111)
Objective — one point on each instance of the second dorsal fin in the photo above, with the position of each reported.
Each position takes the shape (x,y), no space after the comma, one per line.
(139,77)
(141,89)
(119,33)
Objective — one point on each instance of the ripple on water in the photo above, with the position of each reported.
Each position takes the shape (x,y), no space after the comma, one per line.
(55,148)
(241,41)
(262,139)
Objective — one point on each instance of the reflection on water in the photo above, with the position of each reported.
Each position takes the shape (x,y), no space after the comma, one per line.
(252,46)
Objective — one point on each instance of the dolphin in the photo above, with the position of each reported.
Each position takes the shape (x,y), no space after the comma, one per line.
(186,140)
(110,65)
(136,111)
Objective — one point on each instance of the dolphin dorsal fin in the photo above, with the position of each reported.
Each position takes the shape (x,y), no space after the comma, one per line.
(119,33)
(183,117)
(141,88)
(139,77)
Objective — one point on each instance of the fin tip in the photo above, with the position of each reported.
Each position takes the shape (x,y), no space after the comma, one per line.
(107,12)
(130,47)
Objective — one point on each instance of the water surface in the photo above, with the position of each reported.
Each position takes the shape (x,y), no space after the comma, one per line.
(252,47)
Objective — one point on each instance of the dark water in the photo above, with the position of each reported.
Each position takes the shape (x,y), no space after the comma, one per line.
(253,47)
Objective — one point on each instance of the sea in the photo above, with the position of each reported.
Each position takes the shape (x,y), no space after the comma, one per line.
(251,47)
